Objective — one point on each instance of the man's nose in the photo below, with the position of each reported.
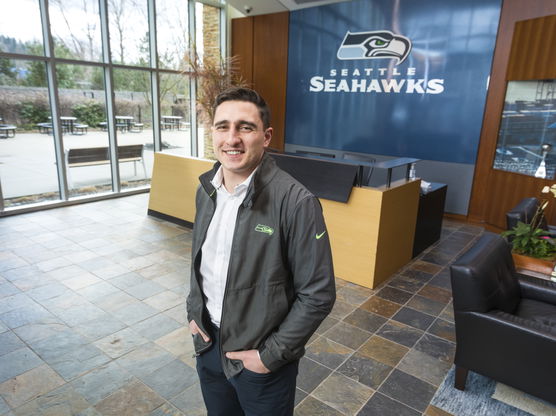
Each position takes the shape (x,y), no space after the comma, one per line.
(233,136)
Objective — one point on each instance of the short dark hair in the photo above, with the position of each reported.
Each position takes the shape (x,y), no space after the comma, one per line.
(245,94)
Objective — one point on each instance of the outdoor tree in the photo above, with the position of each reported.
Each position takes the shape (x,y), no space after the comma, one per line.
(118,26)
(8,74)
(82,42)
(36,71)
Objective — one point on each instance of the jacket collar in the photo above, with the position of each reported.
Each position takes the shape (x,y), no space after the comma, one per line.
(263,175)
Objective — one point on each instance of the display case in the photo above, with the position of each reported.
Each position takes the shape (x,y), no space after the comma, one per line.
(527,135)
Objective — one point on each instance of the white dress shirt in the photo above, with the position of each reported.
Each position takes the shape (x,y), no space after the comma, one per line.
(217,247)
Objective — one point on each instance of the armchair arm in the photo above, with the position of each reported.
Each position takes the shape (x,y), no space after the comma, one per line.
(507,348)
(537,289)
(489,336)
(532,328)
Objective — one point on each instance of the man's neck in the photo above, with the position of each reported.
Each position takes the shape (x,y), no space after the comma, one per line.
(230,181)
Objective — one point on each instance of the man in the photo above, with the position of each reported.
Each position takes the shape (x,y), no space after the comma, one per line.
(262,278)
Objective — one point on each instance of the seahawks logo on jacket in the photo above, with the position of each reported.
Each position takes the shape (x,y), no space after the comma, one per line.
(264,229)
(374,45)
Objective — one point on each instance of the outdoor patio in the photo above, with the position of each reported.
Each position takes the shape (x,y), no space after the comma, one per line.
(28,164)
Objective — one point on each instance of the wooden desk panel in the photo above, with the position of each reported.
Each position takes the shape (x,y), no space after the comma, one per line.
(353,230)
(372,234)
(174,184)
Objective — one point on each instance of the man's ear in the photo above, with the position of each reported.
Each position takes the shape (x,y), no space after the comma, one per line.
(267,136)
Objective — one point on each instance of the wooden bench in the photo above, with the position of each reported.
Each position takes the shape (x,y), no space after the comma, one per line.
(92,156)
(7,130)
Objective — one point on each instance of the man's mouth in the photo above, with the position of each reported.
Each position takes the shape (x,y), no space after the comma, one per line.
(233,152)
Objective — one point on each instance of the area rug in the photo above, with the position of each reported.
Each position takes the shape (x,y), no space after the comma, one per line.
(484,396)
(523,401)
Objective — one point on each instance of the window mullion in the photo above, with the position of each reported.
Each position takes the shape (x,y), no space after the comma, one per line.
(193,82)
(52,83)
(109,91)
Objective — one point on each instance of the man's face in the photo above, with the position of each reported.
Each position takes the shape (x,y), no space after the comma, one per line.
(239,138)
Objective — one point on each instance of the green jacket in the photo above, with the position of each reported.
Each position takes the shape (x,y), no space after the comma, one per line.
(280,283)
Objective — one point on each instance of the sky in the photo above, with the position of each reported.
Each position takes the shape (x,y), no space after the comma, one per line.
(12,16)
(172,22)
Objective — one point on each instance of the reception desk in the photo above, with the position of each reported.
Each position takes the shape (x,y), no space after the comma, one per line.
(371,234)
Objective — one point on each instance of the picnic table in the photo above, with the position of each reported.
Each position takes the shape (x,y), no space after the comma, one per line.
(68,125)
(7,130)
(171,122)
(124,123)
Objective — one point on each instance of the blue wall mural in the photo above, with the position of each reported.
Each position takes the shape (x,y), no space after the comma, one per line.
(391,77)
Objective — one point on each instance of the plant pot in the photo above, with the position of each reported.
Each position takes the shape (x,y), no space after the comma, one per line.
(534,264)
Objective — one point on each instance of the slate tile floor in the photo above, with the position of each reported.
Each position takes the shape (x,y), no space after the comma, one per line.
(92,322)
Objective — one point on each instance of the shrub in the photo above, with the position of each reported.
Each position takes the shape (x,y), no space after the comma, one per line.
(33,112)
(90,113)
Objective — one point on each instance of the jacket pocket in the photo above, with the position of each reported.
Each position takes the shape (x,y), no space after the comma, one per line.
(200,345)
(252,314)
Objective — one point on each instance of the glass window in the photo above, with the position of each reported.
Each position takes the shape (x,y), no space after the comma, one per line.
(83,120)
(19,37)
(172,27)
(133,111)
(175,114)
(28,169)
(27,156)
(528,129)
(129,32)
(75,28)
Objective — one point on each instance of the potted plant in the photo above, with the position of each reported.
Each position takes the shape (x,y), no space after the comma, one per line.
(532,246)
(213,76)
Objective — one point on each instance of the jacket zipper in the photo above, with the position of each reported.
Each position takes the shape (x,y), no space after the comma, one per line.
(197,353)
(222,356)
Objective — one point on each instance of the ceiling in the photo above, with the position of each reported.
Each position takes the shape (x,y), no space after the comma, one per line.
(255,7)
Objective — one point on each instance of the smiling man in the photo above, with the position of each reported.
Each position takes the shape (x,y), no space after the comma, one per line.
(262,279)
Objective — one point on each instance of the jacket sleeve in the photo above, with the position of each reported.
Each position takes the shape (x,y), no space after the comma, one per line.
(310,261)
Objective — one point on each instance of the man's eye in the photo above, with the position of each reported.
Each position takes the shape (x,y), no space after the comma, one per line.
(246,129)
(221,128)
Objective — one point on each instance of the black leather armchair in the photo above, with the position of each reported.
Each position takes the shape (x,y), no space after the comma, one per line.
(505,321)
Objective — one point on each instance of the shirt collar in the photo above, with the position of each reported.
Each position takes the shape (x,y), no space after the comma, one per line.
(218,180)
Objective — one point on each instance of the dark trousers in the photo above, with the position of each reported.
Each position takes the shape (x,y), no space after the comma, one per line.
(248,393)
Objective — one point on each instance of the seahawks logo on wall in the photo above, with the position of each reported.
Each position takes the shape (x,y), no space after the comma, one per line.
(374,45)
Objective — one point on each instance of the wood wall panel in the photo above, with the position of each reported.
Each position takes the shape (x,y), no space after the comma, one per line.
(268,62)
(495,192)
(509,189)
(533,53)
(242,46)
(270,57)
